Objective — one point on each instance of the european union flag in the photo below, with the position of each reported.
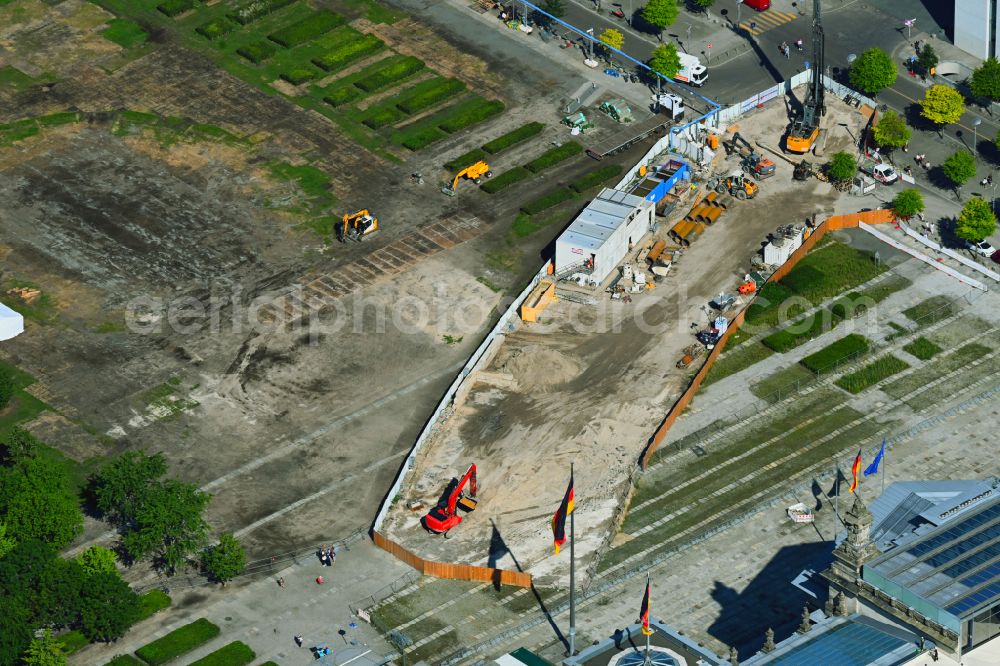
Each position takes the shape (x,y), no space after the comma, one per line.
(873,468)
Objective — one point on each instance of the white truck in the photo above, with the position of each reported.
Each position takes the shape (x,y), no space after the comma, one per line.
(880,171)
(692,72)
(672,104)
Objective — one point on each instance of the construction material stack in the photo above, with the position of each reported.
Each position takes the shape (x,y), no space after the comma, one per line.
(702,214)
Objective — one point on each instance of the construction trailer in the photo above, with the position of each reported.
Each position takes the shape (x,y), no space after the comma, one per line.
(11,323)
(601,235)
(660,180)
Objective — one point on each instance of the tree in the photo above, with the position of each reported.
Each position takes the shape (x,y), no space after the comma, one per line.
(891,131)
(45,651)
(6,543)
(613,38)
(15,632)
(123,485)
(908,203)
(702,4)
(976,221)
(660,14)
(108,607)
(7,387)
(665,60)
(960,167)
(20,444)
(225,560)
(97,559)
(927,58)
(942,105)
(37,501)
(57,593)
(873,71)
(168,524)
(842,167)
(985,81)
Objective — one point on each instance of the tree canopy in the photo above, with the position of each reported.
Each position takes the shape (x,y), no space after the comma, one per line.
(891,131)
(873,71)
(959,167)
(976,221)
(7,387)
(97,559)
(225,560)
(927,58)
(908,203)
(169,524)
(45,651)
(942,105)
(665,60)
(660,14)
(37,501)
(985,81)
(613,38)
(842,167)
(122,486)
(702,4)
(108,607)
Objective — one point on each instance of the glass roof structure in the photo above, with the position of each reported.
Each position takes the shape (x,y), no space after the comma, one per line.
(848,644)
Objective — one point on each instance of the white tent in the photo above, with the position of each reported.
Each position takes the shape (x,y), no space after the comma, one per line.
(11,323)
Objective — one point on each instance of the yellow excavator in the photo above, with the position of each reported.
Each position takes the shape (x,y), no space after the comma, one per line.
(356,226)
(474,173)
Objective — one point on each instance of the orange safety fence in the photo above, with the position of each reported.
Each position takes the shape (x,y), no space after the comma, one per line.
(831,224)
(452,571)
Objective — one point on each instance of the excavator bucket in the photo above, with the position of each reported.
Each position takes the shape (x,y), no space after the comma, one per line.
(467,504)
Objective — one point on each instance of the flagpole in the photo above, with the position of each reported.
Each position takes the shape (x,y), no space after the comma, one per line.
(648,633)
(836,497)
(572,576)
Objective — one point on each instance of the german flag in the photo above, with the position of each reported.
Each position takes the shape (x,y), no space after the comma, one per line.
(559,520)
(644,611)
(855,468)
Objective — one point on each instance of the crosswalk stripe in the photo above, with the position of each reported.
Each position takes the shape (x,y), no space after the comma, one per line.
(767,21)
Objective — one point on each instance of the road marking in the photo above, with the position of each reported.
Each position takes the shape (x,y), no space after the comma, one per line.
(766,21)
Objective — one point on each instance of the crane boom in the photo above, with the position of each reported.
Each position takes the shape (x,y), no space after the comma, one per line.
(445,516)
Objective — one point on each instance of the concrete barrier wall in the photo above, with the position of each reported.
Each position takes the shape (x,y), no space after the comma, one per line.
(831,224)
(452,571)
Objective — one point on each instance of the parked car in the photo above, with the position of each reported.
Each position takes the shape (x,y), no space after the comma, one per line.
(759,5)
(995,257)
(982,248)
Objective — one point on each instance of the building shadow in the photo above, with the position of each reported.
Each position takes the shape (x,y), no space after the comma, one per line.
(769,600)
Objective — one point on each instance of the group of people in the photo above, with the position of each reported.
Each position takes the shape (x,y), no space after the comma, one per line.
(987,181)
(786,51)
(921,159)
(327,556)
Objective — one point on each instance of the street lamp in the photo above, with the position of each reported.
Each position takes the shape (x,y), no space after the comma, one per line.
(975,135)
(590,43)
(739,12)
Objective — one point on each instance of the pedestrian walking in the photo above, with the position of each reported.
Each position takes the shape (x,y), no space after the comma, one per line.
(322,554)
(333,555)
(298,640)
(281,583)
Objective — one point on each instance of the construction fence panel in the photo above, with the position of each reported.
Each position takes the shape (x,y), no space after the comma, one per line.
(468,572)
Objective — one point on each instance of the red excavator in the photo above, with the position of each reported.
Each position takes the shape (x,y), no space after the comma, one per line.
(445,516)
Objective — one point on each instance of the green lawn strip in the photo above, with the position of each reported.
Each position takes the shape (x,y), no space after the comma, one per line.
(469,112)
(856,303)
(350,50)
(417,138)
(716,507)
(802,331)
(955,386)
(390,74)
(152,602)
(740,359)
(307,29)
(424,598)
(12,77)
(791,439)
(17,131)
(831,270)
(512,138)
(922,348)
(831,357)
(173,8)
(236,653)
(299,74)
(527,225)
(935,369)
(505,180)
(217,27)
(740,336)
(178,642)
(871,374)
(248,12)
(60,118)
(313,182)
(774,304)
(466,159)
(931,310)
(783,383)
(343,90)
(547,201)
(125,33)
(125,660)
(411,100)
(596,177)
(554,156)
(258,51)
(956,332)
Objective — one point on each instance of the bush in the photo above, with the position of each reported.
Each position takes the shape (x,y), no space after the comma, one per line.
(346,53)
(73,641)
(151,603)
(426,94)
(469,112)
(465,160)
(922,348)
(216,28)
(257,52)
(60,118)
(318,23)
(341,95)
(124,660)
(390,74)
(547,201)
(382,116)
(420,137)
(506,179)
(179,641)
(249,12)
(871,374)
(236,653)
(175,7)
(596,177)
(554,156)
(299,75)
(511,139)
(849,346)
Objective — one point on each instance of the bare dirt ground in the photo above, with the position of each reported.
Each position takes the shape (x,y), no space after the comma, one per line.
(588,386)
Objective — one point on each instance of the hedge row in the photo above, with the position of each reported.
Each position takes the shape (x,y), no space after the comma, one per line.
(506,179)
(236,653)
(341,95)
(511,139)
(848,346)
(596,177)
(152,602)
(426,94)
(470,112)
(871,374)
(348,52)
(922,348)
(554,156)
(257,52)
(298,75)
(465,160)
(801,332)
(420,137)
(175,7)
(382,116)
(318,23)
(390,74)
(249,12)
(216,28)
(179,641)
(547,201)
(124,660)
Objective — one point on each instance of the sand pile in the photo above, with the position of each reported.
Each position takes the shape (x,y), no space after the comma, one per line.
(538,368)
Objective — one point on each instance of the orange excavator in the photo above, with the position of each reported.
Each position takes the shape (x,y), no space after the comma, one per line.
(356,226)
(444,516)
(474,173)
